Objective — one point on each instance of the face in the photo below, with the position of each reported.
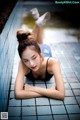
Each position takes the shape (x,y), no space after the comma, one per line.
(31,59)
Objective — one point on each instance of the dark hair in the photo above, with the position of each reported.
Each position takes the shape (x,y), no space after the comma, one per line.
(24,42)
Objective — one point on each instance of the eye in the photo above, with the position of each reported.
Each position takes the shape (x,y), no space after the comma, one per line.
(25,60)
(33,58)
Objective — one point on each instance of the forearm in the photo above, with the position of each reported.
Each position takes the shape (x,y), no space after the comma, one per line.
(52,93)
(22,94)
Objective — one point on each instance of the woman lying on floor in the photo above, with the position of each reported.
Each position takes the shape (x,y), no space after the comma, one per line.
(37,64)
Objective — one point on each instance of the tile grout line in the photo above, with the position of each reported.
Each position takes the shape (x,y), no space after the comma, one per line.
(50,105)
(74,95)
(36,109)
(21,111)
(66,110)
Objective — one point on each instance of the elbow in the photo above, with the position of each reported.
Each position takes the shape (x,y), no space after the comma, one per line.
(62,95)
(17,95)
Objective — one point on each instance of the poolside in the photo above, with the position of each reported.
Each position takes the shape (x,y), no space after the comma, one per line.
(65,47)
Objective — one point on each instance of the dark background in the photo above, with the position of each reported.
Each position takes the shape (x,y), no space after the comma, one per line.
(67,12)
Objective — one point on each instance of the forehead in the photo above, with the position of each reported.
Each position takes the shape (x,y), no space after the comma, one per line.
(29,52)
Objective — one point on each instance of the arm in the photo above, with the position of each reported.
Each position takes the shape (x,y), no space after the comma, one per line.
(57,93)
(21,93)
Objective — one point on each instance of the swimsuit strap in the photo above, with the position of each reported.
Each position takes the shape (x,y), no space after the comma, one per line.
(46,66)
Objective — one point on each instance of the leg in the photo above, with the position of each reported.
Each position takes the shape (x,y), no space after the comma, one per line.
(39,32)
(40,21)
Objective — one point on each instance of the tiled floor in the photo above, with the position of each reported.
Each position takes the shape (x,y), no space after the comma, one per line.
(51,109)
(68,53)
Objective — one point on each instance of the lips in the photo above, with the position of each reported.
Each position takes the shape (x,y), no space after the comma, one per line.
(33,67)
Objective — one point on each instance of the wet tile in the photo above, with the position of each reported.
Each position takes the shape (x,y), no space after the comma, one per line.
(70,100)
(28,102)
(28,111)
(29,118)
(45,117)
(61,117)
(76,92)
(56,102)
(14,102)
(43,110)
(41,85)
(75,85)
(13,81)
(67,86)
(58,109)
(39,82)
(42,101)
(74,117)
(11,94)
(70,74)
(12,87)
(72,109)
(50,85)
(14,111)
(69,93)
(72,80)
(78,99)
(65,79)
(14,118)
(52,80)
(14,74)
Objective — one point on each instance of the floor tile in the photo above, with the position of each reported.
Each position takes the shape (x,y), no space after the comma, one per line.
(41,85)
(12,87)
(68,54)
(67,86)
(14,102)
(11,94)
(72,109)
(29,118)
(28,111)
(74,117)
(14,118)
(78,99)
(43,110)
(42,101)
(14,111)
(72,79)
(76,92)
(61,117)
(58,109)
(68,93)
(56,102)
(50,85)
(45,117)
(70,100)
(28,102)
(75,85)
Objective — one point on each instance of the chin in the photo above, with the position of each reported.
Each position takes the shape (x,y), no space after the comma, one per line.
(36,69)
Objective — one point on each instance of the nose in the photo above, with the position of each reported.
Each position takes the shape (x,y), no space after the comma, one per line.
(32,64)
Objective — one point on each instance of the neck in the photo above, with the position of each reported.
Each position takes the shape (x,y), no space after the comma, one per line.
(39,70)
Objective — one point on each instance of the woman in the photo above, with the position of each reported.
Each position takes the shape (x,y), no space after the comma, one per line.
(34,65)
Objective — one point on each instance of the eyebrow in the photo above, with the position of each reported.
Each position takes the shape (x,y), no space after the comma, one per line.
(31,57)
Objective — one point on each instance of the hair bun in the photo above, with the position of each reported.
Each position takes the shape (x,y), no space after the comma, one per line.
(22,35)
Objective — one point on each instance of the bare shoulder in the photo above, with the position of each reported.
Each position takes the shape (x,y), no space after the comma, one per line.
(53,64)
(53,61)
(23,67)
